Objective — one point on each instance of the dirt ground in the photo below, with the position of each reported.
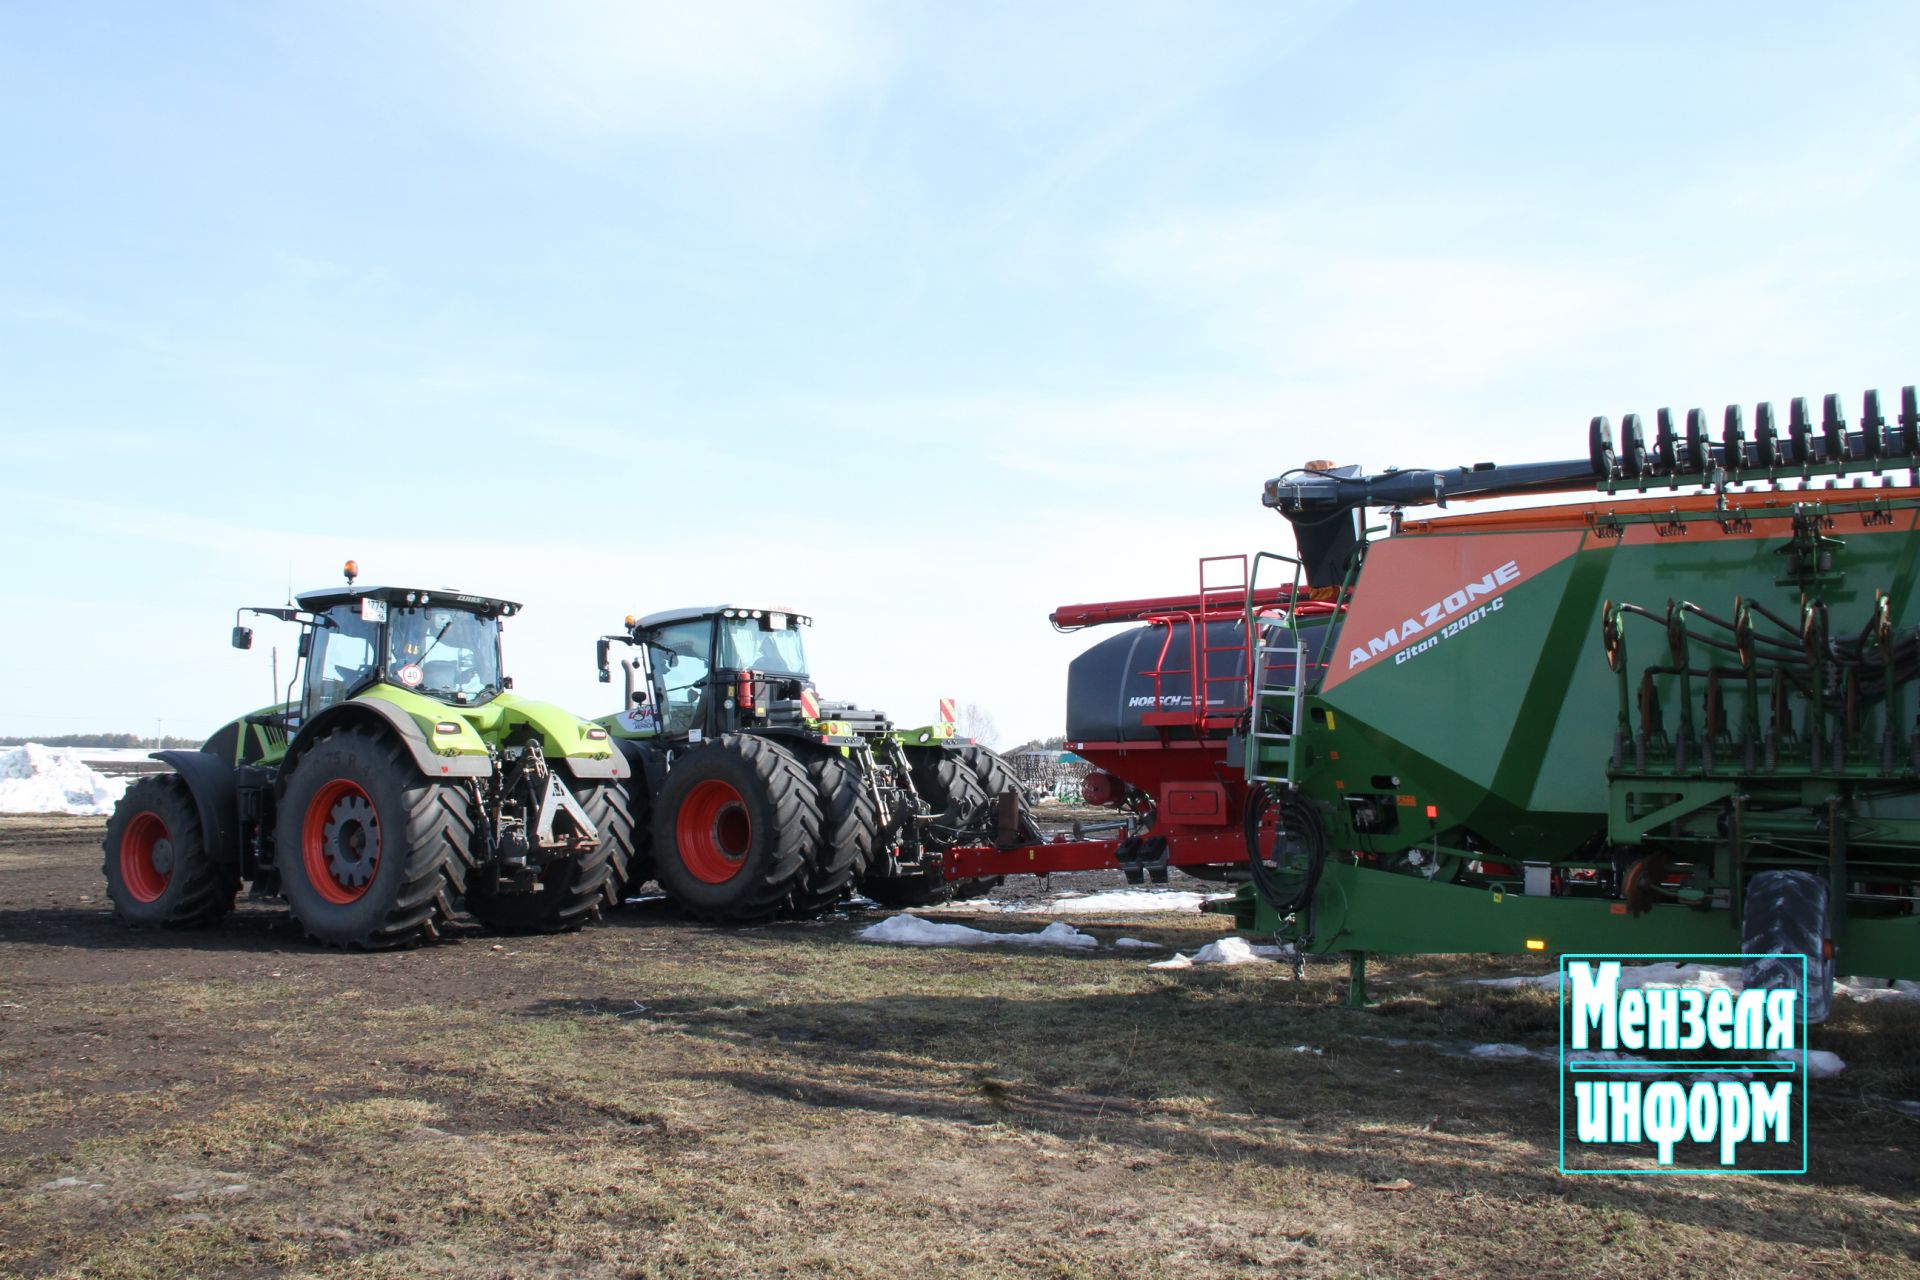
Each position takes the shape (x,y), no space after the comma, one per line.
(653,1098)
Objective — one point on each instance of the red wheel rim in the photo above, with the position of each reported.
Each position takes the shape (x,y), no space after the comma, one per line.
(340,842)
(146,857)
(713,832)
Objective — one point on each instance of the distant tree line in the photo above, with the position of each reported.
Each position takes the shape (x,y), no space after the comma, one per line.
(104,740)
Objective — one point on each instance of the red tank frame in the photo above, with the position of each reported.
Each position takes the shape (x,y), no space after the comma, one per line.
(1197,797)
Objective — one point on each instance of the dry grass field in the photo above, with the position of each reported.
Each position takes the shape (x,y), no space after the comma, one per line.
(651,1098)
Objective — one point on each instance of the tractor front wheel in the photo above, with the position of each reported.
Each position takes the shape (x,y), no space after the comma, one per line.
(996,777)
(159,874)
(365,844)
(736,829)
(958,801)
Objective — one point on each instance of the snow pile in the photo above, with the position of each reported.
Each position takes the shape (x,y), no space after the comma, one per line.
(1139,942)
(1228,950)
(1500,1053)
(1112,902)
(1822,1064)
(912,931)
(37,779)
(1872,990)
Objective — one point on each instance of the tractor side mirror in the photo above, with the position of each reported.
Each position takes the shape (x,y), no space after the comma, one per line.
(506,682)
(600,658)
(243,637)
(639,697)
(305,647)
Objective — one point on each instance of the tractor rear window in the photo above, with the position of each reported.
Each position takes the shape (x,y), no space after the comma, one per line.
(745,647)
(444,653)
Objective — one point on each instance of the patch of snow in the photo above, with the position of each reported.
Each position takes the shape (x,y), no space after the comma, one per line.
(1227,950)
(1110,902)
(1500,1053)
(1822,1064)
(1548,980)
(1876,990)
(912,931)
(1315,1050)
(37,779)
(67,1183)
(1139,942)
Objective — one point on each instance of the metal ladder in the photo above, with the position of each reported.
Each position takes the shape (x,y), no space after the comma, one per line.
(1269,750)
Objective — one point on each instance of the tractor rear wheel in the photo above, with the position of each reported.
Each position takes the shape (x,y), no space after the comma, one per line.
(572,888)
(158,872)
(736,829)
(365,844)
(958,800)
(849,828)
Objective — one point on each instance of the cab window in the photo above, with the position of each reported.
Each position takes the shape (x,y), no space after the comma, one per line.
(343,654)
(677,655)
(748,645)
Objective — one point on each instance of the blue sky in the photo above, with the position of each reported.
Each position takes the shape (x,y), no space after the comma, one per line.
(923,318)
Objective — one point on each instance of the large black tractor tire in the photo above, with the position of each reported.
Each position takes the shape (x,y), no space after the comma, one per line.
(996,778)
(735,830)
(368,850)
(1787,916)
(955,795)
(630,855)
(572,889)
(159,874)
(849,828)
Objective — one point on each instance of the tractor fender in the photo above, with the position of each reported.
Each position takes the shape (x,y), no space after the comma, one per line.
(380,715)
(210,780)
(564,736)
(585,768)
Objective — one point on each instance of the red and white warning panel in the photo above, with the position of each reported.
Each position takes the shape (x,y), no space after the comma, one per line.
(809,704)
(948,712)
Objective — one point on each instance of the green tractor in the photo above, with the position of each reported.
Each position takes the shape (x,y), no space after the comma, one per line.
(761,800)
(398,779)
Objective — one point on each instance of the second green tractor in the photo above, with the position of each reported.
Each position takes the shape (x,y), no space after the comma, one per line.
(754,799)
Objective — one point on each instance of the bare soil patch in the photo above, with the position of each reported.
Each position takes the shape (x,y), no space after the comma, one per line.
(655,1098)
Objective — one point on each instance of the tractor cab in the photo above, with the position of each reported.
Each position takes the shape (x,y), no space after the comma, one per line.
(443,645)
(704,671)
